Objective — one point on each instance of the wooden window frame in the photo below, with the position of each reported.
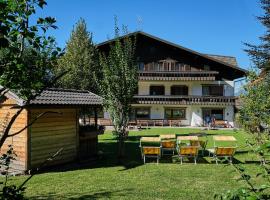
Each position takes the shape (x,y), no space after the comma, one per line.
(146,108)
(175,108)
(156,86)
(179,86)
(209,85)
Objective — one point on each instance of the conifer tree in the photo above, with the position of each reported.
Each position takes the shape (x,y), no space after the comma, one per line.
(81,59)
(260,54)
(255,117)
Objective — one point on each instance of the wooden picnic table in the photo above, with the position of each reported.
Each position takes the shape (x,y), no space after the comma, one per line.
(150,139)
(224,138)
(187,138)
(167,136)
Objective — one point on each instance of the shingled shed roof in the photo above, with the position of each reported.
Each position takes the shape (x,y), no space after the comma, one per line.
(67,97)
(226,59)
(57,96)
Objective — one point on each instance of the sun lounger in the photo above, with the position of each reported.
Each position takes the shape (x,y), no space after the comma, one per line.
(222,152)
(168,143)
(150,148)
(151,152)
(189,152)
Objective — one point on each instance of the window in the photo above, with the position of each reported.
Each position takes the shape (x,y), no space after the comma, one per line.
(206,67)
(172,66)
(166,66)
(141,66)
(212,90)
(175,113)
(100,113)
(177,67)
(157,90)
(179,90)
(187,67)
(218,113)
(142,113)
(160,66)
(156,68)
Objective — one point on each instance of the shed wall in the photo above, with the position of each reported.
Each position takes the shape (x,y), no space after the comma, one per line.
(52,132)
(19,141)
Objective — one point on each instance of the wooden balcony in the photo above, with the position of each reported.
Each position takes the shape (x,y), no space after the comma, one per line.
(184,100)
(177,75)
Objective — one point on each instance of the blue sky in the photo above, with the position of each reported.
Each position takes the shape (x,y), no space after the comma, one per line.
(207,26)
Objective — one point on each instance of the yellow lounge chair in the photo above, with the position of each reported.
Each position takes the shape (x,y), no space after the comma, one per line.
(151,152)
(148,148)
(223,152)
(168,143)
(189,152)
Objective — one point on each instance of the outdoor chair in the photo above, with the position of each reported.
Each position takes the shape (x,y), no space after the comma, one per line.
(222,152)
(158,122)
(150,147)
(151,152)
(142,123)
(175,122)
(188,152)
(168,143)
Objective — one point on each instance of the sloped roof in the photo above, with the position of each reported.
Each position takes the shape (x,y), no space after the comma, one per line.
(58,96)
(214,58)
(226,59)
(67,97)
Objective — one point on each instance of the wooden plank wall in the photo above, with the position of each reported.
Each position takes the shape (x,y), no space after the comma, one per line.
(19,141)
(52,132)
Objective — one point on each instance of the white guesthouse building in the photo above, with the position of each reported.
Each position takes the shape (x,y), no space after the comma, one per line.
(176,83)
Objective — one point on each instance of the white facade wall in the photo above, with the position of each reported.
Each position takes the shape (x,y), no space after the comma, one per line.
(229,115)
(193,112)
(196,116)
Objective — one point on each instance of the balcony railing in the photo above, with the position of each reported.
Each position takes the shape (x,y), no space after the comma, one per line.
(185,100)
(178,75)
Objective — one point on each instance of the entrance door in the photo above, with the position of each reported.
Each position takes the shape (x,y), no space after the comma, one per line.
(205,112)
(218,112)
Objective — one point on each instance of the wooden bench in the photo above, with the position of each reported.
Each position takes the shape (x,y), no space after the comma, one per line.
(174,122)
(222,124)
(105,122)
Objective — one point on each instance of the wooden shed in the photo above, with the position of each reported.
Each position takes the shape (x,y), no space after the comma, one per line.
(59,128)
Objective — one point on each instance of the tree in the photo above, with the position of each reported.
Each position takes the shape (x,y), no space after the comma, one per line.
(118,84)
(255,117)
(254,114)
(27,57)
(81,58)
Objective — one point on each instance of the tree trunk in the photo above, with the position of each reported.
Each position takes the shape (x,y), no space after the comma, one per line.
(121,148)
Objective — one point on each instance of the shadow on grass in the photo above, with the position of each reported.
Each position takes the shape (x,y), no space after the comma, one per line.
(93,196)
(108,157)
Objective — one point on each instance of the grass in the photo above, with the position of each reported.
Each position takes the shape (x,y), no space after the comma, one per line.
(107,179)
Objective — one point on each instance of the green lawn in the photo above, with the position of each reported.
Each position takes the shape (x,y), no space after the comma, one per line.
(169,180)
